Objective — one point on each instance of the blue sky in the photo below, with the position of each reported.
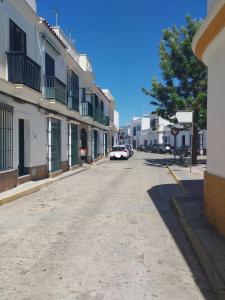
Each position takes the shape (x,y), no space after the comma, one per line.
(121,37)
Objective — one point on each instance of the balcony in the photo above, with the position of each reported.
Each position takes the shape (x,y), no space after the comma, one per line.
(98,117)
(87,109)
(55,89)
(106,120)
(23,70)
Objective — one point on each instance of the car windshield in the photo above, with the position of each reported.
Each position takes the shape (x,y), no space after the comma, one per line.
(118,148)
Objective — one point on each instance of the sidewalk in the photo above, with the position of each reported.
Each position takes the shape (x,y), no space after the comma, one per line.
(207,243)
(34,186)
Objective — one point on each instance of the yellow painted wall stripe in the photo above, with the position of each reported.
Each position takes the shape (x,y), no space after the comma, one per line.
(214,28)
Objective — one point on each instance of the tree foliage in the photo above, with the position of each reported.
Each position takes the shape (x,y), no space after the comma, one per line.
(184,77)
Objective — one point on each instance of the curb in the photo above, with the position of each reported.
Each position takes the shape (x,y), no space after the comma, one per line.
(37,188)
(177,179)
(24,193)
(207,265)
(213,276)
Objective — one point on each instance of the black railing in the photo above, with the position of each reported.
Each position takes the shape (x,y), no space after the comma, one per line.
(106,120)
(22,69)
(72,103)
(98,117)
(55,89)
(87,109)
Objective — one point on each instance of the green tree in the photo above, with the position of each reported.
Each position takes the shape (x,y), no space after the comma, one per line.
(184,79)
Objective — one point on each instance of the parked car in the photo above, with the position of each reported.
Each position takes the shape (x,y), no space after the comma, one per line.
(169,149)
(130,148)
(149,148)
(142,148)
(119,152)
(155,148)
(163,149)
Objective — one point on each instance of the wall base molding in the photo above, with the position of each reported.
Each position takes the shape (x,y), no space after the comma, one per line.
(214,201)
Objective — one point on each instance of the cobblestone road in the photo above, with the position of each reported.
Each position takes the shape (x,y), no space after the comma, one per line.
(104,234)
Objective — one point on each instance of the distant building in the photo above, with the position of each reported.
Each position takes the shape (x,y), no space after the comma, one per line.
(125,136)
(209,47)
(152,129)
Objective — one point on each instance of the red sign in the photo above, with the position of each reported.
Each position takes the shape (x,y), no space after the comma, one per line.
(175,131)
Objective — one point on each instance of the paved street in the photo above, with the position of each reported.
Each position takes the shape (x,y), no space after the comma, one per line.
(107,233)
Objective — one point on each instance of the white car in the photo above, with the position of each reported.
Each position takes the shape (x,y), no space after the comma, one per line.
(119,152)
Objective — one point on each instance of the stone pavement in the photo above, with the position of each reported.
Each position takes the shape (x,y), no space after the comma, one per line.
(30,187)
(191,205)
(108,233)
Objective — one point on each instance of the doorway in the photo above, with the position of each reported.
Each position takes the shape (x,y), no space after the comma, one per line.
(21,166)
(95,144)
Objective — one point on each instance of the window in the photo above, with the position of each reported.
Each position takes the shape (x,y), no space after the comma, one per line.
(134,131)
(138,128)
(17,40)
(102,108)
(154,124)
(166,140)
(183,140)
(72,90)
(6,137)
(83,95)
(49,65)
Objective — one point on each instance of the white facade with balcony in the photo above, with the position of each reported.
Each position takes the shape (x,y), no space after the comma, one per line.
(53,116)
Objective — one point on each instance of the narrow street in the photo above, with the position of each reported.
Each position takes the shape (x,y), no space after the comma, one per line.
(105,234)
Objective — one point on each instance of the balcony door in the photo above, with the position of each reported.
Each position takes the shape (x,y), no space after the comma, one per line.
(49,66)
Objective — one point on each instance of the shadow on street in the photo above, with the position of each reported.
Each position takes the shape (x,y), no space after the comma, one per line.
(161,196)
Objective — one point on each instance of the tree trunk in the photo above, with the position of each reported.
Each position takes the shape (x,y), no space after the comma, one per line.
(195,146)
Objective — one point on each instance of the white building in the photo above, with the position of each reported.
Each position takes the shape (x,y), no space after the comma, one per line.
(125,136)
(209,47)
(53,116)
(139,125)
(153,129)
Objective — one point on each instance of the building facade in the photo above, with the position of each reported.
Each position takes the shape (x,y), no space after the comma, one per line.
(152,129)
(209,45)
(53,116)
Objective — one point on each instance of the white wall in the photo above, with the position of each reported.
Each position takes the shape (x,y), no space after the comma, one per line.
(64,140)
(116,119)
(32,4)
(145,123)
(35,133)
(211,4)
(216,111)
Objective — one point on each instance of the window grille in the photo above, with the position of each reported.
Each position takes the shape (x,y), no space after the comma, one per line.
(6,137)
(73,90)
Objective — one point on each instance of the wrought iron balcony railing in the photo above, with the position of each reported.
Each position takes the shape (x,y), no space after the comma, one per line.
(55,89)
(106,120)
(86,109)
(98,117)
(23,70)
